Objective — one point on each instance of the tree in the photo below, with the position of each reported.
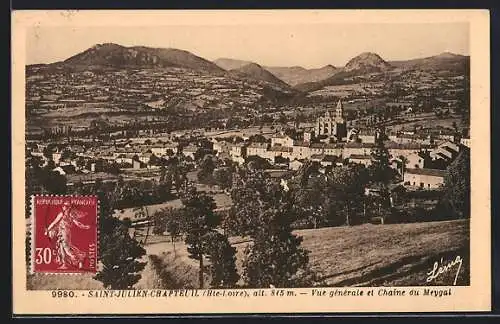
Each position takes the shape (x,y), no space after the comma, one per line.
(223,260)
(457,184)
(380,170)
(257,162)
(174,227)
(119,253)
(154,160)
(264,211)
(257,138)
(223,177)
(207,167)
(345,192)
(274,259)
(311,199)
(50,180)
(160,220)
(200,220)
(176,174)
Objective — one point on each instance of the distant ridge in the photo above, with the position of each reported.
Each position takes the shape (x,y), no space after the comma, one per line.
(257,72)
(445,61)
(117,56)
(297,74)
(230,64)
(114,56)
(369,62)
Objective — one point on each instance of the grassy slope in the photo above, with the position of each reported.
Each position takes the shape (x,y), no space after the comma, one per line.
(365,255)
(380,255)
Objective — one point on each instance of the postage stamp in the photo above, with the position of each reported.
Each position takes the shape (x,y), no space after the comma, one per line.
(64,234)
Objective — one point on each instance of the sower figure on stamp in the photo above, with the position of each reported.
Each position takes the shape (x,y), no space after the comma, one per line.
(60,228)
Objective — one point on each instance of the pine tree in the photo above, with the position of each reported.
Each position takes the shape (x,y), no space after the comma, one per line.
(119,253)
(381,172)
(200,222)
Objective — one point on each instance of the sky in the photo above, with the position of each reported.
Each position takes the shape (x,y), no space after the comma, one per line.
(307,45)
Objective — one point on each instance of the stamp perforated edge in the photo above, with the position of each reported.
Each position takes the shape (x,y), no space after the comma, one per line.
(32,235)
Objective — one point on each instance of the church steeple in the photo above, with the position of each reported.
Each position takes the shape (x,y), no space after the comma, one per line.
(339,111)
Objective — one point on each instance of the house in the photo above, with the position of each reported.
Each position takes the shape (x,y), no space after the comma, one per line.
(300,150)
(364,159)
(221,147)
(259,149)
(446,137)
(365,136)
(451,146)
(161,150)
(237,151)
(332,149)
(446,151)
(283,151)
(125,158)
(403,149)
(357,148)
(328,160)
(281,140)
(424,178)
(277,174)
(316,148)
(308,136)
(417,160)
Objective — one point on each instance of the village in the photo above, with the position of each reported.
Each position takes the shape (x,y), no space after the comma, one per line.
(332,142)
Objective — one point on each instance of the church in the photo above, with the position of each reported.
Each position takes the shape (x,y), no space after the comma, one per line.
(332,125)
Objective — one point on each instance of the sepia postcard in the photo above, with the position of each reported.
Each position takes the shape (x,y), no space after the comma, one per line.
(260,161)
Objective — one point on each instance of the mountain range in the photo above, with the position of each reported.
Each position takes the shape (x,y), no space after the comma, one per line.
(115,56)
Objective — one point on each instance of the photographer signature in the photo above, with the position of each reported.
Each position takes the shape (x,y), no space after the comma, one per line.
(441,267)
